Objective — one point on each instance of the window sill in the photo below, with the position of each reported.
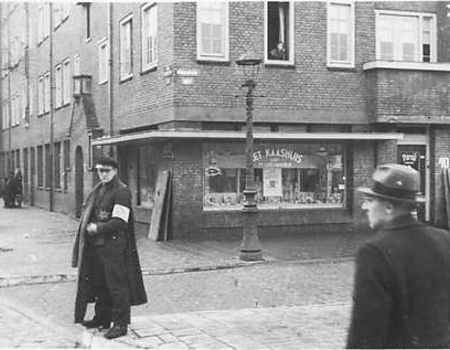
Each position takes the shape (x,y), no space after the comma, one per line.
(125,79)
(149,69)
(209,61)
(278,64)
(341,68)
(238,208)
(103,82)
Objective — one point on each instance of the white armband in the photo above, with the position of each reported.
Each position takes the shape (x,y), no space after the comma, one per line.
(121,212)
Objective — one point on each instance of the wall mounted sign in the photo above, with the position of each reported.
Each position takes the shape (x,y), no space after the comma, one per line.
(276,156)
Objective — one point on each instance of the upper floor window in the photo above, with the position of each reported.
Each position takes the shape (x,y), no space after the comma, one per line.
(405,36)
(47,92)
(66,81)
(103,58)
(60,12)
(212,30)
(87,9)
(58,86)
(341,34)
(76,71)
(43,22)
(279,32)
(148,37)
(126,54)
(40,100)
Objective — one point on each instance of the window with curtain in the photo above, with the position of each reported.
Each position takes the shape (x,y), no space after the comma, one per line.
(125,58)
(279,31)
(212,30)
(149,25)
(406,37)
(341,25)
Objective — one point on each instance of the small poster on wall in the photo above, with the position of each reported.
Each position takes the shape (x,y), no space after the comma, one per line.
(272,182)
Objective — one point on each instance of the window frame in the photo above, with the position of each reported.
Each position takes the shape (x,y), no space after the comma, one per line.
(201,56)
(122,24)
(58,86)
(103,46)
(66,75)
(47,91)
(419,41)
(291,36)
(144,47)
(350,63)
(40,94)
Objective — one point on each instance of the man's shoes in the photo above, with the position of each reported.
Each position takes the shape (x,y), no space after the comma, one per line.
(116,332)
(96,323)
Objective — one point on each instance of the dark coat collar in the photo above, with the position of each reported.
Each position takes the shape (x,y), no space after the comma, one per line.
(402,221)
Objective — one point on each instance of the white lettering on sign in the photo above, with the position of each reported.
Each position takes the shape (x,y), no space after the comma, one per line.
(444,162)
(283,153)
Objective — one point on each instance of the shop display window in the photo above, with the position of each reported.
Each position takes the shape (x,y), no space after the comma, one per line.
(286,175)
(147,176)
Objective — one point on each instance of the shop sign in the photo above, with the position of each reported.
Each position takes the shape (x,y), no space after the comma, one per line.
(213,171)
(277,155)
(444,162)
(409,158)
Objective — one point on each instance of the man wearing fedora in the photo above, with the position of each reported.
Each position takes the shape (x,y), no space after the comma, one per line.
(401,296)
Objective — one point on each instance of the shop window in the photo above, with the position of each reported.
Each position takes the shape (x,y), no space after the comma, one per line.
(279,32)
(147,176)
(57,155)
(286,176)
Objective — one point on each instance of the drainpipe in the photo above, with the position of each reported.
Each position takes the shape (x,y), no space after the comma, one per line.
(111,73)
(52,90)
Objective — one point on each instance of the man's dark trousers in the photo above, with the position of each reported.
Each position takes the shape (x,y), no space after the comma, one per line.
(109,281)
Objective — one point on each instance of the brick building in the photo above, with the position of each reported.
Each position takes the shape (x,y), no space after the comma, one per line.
(343,86)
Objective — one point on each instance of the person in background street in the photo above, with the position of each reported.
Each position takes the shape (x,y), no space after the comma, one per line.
(9,191)
(105,253)
(401,296)
(18,188)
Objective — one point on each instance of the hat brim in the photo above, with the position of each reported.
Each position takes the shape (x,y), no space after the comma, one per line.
(369,193)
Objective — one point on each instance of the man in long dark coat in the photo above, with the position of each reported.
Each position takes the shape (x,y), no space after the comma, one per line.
(9,191)
(105,253)
(401,294)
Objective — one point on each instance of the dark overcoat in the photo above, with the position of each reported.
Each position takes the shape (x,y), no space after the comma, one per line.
(401,293)
(111,229)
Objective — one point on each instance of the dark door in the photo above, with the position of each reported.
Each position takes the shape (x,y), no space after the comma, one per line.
(79,181)
(415,157)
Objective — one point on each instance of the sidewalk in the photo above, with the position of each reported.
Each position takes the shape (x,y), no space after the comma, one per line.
(36,247)
(298,327)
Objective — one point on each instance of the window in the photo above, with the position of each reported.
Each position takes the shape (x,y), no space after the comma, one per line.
(87,9)
(404,36)
(40,166)
(66,164)
(57,155)
(5,121)
(60,12)
(341,33)
(212,30)
(43,22)
(41,95)
(147,176)
(30,101)
(25,166)
(66,82)
(48,166)
(103,59)
(126,57)
(47,92)
(17,164)
(286,175)
(279,33)
(58,86)
(148,37)
(76,71)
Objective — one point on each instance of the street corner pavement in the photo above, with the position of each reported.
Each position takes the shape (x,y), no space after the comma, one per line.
(21,327)
(284,327)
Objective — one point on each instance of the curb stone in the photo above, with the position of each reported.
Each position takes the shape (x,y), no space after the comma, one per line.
(15,281)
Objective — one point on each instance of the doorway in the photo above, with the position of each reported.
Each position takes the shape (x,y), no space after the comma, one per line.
(415,156)
(79,181)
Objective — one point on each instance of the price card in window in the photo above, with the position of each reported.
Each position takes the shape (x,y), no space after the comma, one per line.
(272,182)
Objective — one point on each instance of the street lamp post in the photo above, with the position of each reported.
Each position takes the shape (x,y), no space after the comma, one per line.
(250,249)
